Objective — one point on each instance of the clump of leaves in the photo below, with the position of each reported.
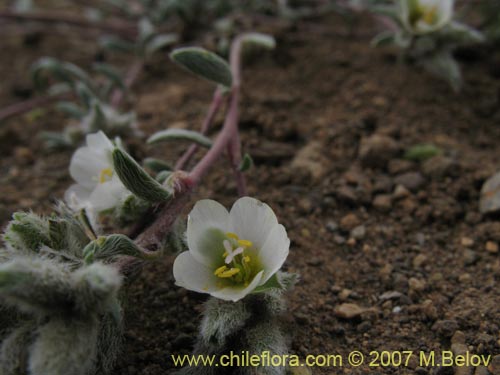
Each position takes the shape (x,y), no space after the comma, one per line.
(60,294)
(92,111)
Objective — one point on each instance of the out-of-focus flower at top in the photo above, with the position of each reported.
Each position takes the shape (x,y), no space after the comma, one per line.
(231,254)
(425,16)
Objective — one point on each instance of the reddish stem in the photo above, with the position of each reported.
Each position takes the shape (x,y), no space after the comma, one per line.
(28,105)
(112,26)
(228,138)
(130,77)
(217,101)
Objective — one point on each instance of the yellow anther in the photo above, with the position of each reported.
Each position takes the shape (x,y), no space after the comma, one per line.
(429,15)
(225,254)
(246,259)
(105,175)
(232,235)
(219,270)
(229,273)
(245,243)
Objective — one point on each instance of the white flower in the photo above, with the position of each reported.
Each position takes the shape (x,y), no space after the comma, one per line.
(425,16)
(98,188)
(231,253)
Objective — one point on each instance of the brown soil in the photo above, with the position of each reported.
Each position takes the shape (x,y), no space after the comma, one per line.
(416,262)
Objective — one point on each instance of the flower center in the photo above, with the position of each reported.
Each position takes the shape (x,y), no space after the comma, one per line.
(429,15)
(105,175)
(237,263)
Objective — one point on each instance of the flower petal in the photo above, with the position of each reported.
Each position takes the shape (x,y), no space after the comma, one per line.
(193,275)
(99,143)
(86,166)
(252,220)
(77,197)
(274,252)
(234,294)
(207,224)
(108,195)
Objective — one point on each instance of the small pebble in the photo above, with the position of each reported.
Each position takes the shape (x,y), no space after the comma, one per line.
(358,232)
(419,260)
(332,226)
(348,311)
(467,242)
(383,202)
(491,247)
(349,222)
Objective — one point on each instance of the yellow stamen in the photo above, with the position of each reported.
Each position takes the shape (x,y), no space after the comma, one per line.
(246,259)
(229,273)
(219,270)
(232,235)
(429,15)
(225,254)
(245,243)
(105,175)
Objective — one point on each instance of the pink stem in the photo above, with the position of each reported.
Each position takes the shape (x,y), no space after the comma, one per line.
(130,77)
(28,105)
(212,112)
(234,146)
(228,137)
(113,26)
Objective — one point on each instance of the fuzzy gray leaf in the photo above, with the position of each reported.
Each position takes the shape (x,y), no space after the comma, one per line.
(13,353)
(160,41)
(65,347)
(221,319)
(156,165)
(27,232)
(95,289)
(444,66)
(137,180)
(180,134)
(260,40)
(36,286)
(204,63)
(246,163)
(111,246)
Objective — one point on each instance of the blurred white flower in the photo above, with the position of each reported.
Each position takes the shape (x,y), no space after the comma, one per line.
(425,16)
(98,188)
(231,253)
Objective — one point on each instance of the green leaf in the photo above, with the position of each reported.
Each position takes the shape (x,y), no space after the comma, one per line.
(422,152)
(137,180)
(160,41)
(117,44)
(180,134)
(280,281)
(85,94)
(71,109)
(444,66)
(97,118)
(55,141)
(156,165)
(382,39)
(27,232)
(104,248)
(111,73)
(246,163)
(162,176)
(62,71)
(146,29)
(204,63)
(460,33)
(258,39)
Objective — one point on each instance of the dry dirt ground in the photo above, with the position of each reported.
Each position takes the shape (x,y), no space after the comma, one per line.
(392,254)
